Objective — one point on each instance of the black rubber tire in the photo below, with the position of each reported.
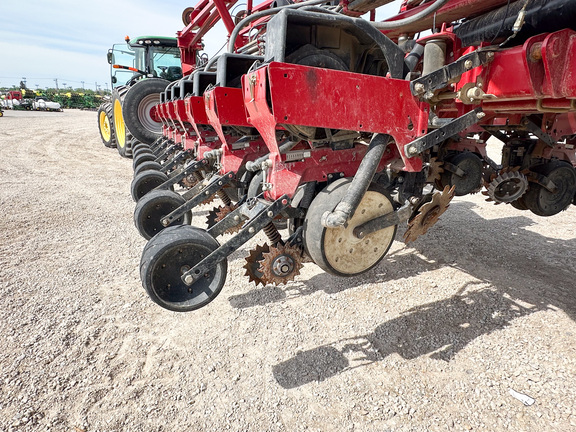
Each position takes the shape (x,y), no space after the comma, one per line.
(144,166)
(140,146)
(122,138)
(143,151)
(141,97)
(315,235)
(519,204)
(142,157)
(170,253)
(153,207)
(469,163)
(145,182)
(106,125)
(541,201)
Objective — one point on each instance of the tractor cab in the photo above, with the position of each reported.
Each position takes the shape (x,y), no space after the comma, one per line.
(145,56)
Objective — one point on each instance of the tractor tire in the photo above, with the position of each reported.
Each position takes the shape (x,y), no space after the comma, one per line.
(106,125)
(138,106)
(122,137)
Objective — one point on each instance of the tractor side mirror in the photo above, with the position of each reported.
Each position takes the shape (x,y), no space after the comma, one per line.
(114,80)
(110,57)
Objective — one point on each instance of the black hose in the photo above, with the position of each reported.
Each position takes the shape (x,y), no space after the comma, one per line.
(348,205)
(390,25)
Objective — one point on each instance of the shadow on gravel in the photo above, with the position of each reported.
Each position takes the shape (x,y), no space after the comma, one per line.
(394,266)
(527,273)
(439,329)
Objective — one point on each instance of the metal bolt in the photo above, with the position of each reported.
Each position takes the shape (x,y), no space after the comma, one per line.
(270,214)
(236,218)
(480,115)
(188,279)
(419,88)
(468,64)
(412,150)
(490,55)
(219,183)
(251,230)
(206,193)
(165,222)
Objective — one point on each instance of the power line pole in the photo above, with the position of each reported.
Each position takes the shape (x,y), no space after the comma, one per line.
(82,85)
(56,81)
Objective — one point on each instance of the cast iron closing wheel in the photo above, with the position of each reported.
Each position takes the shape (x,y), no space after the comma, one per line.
(153,207)
(540,200)
(170,254)
(146,181)
(138,109)
(337,250)
(149,165)
(105,125)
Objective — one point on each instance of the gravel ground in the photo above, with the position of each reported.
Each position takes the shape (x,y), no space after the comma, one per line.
(433,339)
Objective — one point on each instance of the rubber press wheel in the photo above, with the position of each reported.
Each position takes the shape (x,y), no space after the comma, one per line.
(142,157)
(337,250)
(153,206)
(143,151)
(145,182)
(144,166)
(541,201)
(170,254)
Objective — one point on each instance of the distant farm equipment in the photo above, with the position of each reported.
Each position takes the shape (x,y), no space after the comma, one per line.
(140,70)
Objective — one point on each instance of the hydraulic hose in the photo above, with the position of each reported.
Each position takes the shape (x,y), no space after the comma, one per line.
(261,14)
(346,208)
(390,25)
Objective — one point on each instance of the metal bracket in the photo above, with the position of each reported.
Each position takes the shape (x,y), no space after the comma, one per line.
(424,87)
(168,152)
(217,183)
(384,221)
(536,130)
(439,135)
(177,159)
(264,216)
(194,166)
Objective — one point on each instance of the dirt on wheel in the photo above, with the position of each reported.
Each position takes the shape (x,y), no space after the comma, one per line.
(434,338)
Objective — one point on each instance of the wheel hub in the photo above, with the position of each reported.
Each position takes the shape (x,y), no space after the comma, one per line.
(283,265)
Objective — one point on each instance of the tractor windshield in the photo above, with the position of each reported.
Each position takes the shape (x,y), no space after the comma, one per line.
(166,62)
(127,56)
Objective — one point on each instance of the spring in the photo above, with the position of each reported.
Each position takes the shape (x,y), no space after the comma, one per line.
(272,232)
(224,197)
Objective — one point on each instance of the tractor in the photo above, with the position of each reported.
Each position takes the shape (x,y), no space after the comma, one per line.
(140,70)
(326,129)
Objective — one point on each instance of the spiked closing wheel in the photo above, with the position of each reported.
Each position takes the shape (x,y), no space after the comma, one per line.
(337,250)
(281,264)
(428,214)
(252,265)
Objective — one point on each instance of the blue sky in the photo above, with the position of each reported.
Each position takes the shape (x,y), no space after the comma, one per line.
(47,39)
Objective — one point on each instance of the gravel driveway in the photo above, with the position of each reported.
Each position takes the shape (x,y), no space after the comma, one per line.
(432,339)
